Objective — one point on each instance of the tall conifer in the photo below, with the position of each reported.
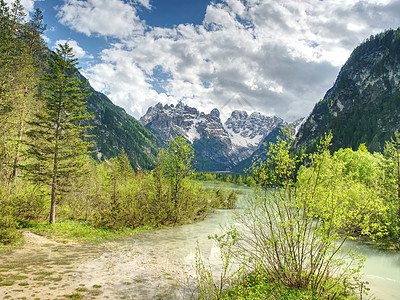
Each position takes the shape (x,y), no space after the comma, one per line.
(56,137)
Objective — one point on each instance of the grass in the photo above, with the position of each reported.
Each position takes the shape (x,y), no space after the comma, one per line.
(257,287)
(23,284)
(44,273)
(82,231)
(74,296)
(17,277)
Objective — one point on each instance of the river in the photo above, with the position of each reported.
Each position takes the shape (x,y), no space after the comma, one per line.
(152,265)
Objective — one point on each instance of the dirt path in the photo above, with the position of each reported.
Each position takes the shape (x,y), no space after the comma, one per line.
(45,269)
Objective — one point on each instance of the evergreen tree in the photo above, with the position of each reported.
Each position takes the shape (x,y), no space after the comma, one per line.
(33,34)
(19,80)
(56,137)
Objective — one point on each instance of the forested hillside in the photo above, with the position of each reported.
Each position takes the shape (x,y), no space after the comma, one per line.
(364,104)
(114,129)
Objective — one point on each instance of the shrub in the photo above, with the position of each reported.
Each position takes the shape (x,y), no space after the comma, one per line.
(8,230)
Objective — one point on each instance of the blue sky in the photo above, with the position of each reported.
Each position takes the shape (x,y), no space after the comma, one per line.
(272,56)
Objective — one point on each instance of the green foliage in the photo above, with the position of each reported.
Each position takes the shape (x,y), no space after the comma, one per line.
(81,231)
(222,177)
(391,167)
(256,286)
(224,198)
(209,285)
(114,129)
(176,161)
(19,77)
(290,232)
(55,138)
(349,184)
(118,198)
(8,230)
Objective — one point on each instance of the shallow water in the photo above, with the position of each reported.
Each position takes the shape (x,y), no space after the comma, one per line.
(157,265)
(152,265)
(382,270)
(167,258)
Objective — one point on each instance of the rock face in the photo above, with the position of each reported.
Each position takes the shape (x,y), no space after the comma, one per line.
(218,146)
(204,131)
(363,106)
(248,131)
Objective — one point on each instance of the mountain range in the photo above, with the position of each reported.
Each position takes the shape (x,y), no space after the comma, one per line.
(113,129)
(363,106)
(218,146)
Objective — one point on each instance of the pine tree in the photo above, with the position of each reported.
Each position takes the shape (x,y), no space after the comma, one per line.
(29,70)
(18,83)
(11,25)
(33,34)
(56,136)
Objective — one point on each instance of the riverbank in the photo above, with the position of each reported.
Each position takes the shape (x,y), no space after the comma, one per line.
(82,232)
(156,264)
(45,263)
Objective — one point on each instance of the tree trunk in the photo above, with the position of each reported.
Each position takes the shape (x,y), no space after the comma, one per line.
(18,149)
(54,184)
(52,219)
(55,162)
(398,178)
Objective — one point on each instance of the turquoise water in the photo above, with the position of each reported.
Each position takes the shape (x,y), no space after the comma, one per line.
(159,264)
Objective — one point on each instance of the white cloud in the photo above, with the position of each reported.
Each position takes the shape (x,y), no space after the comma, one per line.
(279,57)
(28,5)
(124,81)
(109,18)
(76,49)
(144,3)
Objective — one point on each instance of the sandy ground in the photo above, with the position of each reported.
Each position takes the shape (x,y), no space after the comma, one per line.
(45,269)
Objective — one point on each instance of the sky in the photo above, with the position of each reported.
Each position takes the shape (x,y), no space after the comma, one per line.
(272,56)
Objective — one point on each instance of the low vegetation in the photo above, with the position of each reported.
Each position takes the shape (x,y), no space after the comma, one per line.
(118,201)
(287,240)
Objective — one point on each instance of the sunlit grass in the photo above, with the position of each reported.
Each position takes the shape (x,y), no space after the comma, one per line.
(255,288)
(82,231)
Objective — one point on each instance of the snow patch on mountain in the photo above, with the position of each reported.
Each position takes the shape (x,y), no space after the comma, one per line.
(227,143)
(240,140)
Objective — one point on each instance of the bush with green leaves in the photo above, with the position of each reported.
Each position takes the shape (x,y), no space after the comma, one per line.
(223,198)
(290,232)
(391,169)
(8,230)
(211,284)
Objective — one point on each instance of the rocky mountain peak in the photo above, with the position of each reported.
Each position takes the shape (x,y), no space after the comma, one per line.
(223,144)
(253,125)
(215,114)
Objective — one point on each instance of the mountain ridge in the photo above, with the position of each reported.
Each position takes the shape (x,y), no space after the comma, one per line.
(364,103)
(218,146)
(113,129)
